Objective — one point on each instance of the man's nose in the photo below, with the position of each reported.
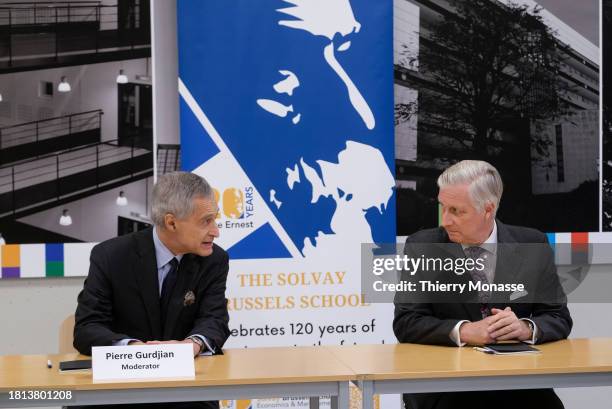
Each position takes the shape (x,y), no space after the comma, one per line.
(214,231)
(445,219)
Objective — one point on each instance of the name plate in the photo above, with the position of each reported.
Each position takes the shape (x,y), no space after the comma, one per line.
(143,362)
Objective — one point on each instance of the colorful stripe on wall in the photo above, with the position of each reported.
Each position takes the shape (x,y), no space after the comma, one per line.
(45,260)
(54,260)
(10,261)
(32,260)
(72,259)
(580,248)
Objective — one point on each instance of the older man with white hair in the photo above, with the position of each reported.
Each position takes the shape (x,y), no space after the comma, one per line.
(469,196)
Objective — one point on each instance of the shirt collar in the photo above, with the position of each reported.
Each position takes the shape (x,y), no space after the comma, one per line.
(490,243)
(162,254)
(492,239)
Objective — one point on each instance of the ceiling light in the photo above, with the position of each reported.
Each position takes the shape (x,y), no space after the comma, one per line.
(122,78)
(64,86)
(121,199)
(65,219)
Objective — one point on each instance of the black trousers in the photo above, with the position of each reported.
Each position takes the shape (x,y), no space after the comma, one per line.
(506,399)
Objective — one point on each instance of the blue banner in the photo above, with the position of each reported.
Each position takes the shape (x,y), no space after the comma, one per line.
(287,109)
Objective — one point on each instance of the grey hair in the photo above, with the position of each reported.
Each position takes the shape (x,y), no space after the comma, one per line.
(174,193)
(485,183)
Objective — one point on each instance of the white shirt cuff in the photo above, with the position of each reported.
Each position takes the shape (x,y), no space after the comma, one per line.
(205,351)
(124,342)
(455,334)
(534,335)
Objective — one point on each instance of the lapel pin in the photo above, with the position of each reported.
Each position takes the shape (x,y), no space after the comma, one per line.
(189,298)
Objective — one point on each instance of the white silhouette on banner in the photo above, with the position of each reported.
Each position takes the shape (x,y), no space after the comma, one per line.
(354,187)
(354,175)
(322,18)
(284,86)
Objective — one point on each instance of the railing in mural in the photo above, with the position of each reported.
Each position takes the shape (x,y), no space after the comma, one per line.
(35,131)
(32,139)
(17,14)
(168,158)
(54,177)
(65,21)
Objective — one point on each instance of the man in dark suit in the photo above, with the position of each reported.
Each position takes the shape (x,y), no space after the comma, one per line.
(161,285)
(469,196)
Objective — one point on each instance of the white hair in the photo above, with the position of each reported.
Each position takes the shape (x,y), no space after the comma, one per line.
(485,183)
(174,193)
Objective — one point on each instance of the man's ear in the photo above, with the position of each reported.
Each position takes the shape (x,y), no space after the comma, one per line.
(170,222)
(490,210)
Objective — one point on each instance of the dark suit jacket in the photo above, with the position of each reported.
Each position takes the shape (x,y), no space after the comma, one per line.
(120,298)
(431,323)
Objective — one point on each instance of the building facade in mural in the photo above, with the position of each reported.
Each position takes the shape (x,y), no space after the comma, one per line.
(528,103)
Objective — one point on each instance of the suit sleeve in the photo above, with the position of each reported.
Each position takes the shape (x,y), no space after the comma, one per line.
(551,317)
(212,317)
(94,313)
(417,323)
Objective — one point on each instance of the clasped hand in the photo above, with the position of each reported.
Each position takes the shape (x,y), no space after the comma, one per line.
(501,325)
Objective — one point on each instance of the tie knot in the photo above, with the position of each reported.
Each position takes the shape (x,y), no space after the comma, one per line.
(474,251)
(173,263)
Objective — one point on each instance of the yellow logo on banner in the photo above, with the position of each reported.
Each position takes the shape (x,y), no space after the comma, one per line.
(233,203)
